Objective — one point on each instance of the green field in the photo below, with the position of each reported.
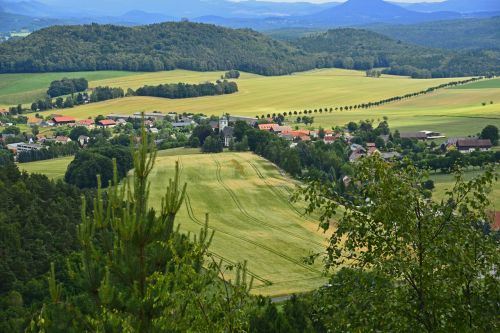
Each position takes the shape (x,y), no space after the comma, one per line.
(449,111)
(454,112)
(54,169)
(26,88)
(487,84)
(248,202)
(257,94)
(445,183)
(247,199)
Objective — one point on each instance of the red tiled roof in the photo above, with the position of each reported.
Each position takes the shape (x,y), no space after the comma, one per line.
(64,119)
(267,127)
(86,122)
(107,122)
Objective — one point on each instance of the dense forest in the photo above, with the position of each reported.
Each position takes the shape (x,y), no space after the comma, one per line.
(362,49)
(151,48)
(205,47)
(38,222)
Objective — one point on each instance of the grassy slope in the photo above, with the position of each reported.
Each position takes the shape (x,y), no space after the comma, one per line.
(54,169)
(250,214)
(450,111)
(494,83)
(247,200)
(445,183)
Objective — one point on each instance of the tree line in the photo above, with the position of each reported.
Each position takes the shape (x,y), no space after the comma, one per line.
(67,87)
(373,104)
(52,151)
(185,90)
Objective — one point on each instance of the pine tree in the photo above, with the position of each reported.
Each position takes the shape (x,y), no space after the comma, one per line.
(136,272)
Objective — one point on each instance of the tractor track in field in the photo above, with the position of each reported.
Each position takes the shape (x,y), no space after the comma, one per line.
(193,218)
(274,190)
(285,200)
(197,221)
(255,220)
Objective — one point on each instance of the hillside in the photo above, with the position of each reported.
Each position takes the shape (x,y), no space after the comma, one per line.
(362,49)
(202,47)
(150,48)
(454,34)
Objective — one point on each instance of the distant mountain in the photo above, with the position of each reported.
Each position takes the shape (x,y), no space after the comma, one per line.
(461,6)
(350,13)
(14,22)
(356,12)
(454,34)
(184,8)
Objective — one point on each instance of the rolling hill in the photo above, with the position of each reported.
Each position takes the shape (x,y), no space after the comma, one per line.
(362,49)
(202,47)
(151,48)
(452,34)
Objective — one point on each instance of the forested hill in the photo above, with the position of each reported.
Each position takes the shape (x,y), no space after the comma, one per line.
(453,34)
(151,48)
(362,49)
(203,47)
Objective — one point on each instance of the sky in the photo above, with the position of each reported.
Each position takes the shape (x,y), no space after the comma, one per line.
(323,1)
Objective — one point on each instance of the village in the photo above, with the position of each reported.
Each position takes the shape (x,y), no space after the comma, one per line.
(55,130)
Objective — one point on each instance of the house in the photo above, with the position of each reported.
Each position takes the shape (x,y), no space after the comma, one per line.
(19,147)
(267,127)
(4,137)
(62,120)
(372,149)
(13,147)
(34,121)
(183,124)
(115,117)
(281,129)
(422,135)
(156,116)
(329,140)
(390,155)
(4,112)
(413,135)
(41,138)
(62,139)
(227,134)
(25,147)
(471,145)
(83,140)
(357,155)
(89,123)
(431,135)
(106,123)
